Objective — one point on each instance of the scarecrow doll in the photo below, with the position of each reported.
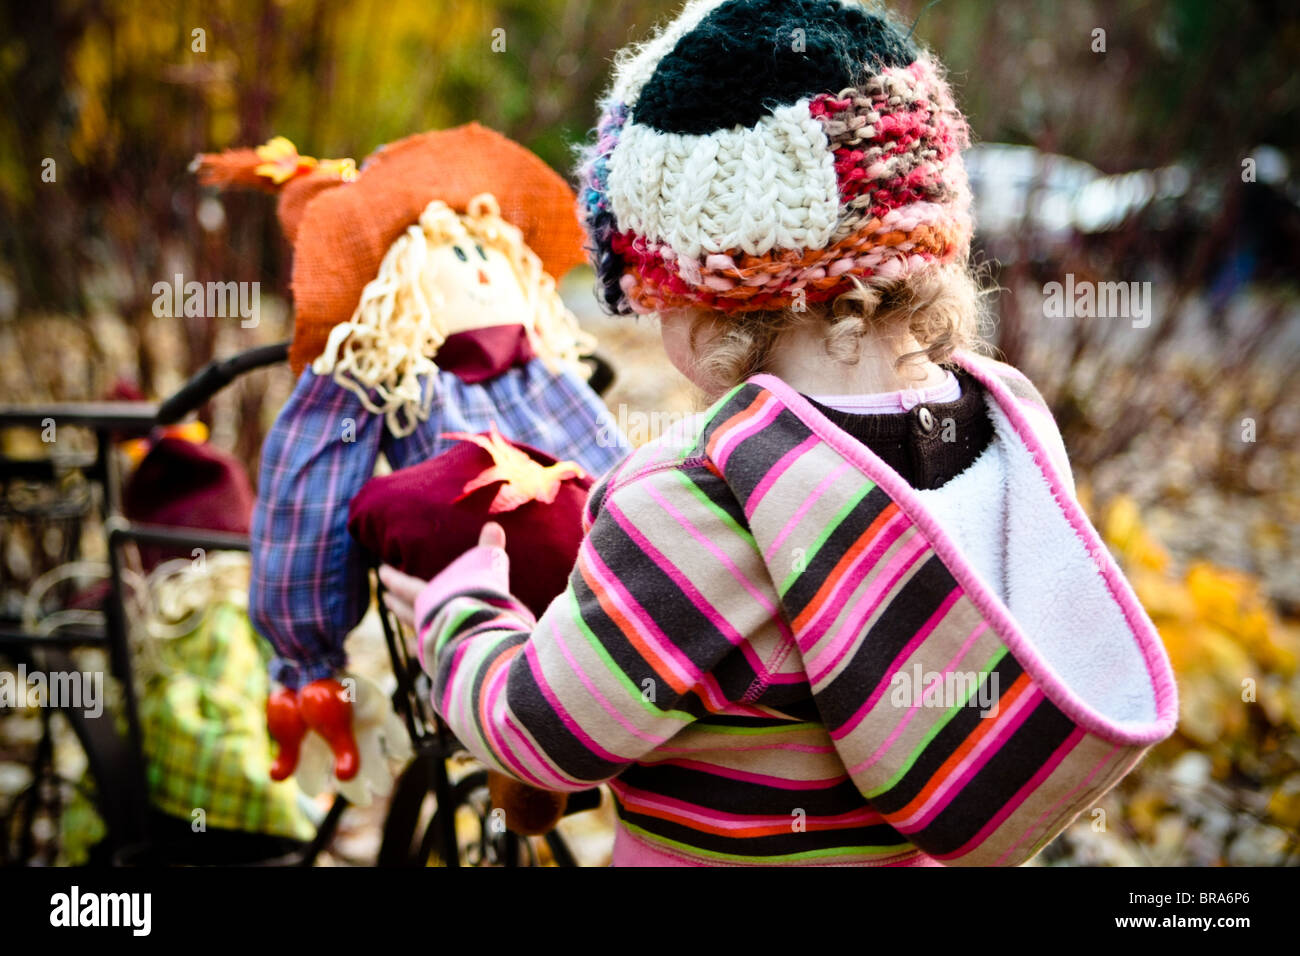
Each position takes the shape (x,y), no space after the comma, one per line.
(425,311)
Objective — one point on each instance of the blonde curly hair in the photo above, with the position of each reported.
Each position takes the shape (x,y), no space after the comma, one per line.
(942,308)
(386,351)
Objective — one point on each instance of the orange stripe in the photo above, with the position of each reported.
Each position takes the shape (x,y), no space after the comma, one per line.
(737,420)
(773,829)
(629,631)
(1022,685)
(831,585)
(501,660)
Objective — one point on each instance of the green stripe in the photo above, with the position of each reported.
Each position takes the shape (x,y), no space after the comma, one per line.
(702,727)
(828,853)
(632,690)
(732,525)
(468,679)
(830,528)
(454,623)
(709,416)
(933,732)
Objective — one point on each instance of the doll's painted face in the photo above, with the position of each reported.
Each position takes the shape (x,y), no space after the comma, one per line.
(476,284)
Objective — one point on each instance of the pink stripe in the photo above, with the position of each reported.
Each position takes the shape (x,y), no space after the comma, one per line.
(546,776)
(453,672)
(723,559)
(1021,795)
(1047,814)
(780,783)
(753,660)
(919,638)
(989,604)
(460,701)
(687,673)
(790,748)
(788,677)
(496,732)
(746,646)
(514,748)
(491,734)
(670,655)
(506,620)
(633,797)
(973,762)
(1132,756)
(777,471)
(543,775)
(595,692)
(811,500)
(530,654)
(733,437)
(683,583)
(849,635)
(916,708)
(885,538)
(851,631)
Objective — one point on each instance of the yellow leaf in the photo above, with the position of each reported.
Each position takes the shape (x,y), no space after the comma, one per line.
(1284,805)
(281,161)
(1122,528)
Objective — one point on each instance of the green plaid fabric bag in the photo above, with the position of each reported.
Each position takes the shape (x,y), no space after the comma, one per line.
(203,713)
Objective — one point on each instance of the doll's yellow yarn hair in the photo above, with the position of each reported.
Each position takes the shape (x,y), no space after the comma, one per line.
(386,352)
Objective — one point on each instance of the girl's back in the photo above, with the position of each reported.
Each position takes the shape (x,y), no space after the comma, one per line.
(816,623)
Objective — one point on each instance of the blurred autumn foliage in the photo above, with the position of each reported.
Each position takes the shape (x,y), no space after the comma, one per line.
(1224,790)
(1169,154)
(120,96)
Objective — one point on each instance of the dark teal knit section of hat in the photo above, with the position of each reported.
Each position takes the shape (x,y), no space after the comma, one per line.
(747,57)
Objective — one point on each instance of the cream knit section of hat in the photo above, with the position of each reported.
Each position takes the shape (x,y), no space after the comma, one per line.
(770,186)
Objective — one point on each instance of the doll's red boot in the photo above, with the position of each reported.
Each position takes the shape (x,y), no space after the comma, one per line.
(326,709)
(285,724)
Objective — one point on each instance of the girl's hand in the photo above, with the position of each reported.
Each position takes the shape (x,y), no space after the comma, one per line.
(402,589)
(400,593)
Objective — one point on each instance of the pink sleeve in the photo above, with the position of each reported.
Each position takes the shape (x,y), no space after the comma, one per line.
(481,570)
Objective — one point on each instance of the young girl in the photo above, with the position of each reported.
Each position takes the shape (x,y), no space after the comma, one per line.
(853,613)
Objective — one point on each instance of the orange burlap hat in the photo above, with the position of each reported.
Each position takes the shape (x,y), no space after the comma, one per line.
(341,223)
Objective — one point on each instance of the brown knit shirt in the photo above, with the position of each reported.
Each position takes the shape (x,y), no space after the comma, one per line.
(930,444)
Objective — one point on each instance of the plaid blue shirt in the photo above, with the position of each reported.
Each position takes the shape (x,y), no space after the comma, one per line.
(310,585)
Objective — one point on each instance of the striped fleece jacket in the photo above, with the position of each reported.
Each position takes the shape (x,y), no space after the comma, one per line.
(773,654)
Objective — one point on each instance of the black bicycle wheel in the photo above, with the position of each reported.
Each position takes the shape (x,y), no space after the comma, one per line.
(414,827)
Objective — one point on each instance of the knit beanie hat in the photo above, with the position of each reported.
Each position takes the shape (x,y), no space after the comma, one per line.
(759,154)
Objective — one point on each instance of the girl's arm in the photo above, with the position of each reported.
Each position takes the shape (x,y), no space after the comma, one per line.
(570,700)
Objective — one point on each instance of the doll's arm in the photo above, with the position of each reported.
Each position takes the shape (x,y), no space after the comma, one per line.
(570,700)
(309,583)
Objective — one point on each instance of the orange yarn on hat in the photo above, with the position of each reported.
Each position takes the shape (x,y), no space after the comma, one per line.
(344,233)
